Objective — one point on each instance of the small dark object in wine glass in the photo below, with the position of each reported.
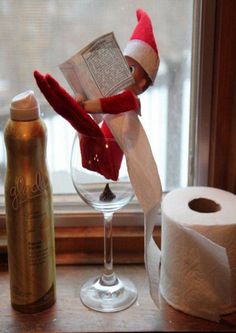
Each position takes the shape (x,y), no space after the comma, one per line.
(107,195)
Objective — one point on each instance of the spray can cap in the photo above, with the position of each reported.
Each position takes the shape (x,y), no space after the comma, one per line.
(24,107)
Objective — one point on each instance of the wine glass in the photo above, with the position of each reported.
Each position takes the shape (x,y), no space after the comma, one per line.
(108,292)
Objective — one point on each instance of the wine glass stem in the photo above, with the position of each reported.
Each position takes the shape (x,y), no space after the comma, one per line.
(108,277)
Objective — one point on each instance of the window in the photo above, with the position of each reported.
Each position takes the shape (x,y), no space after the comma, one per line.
(42,34)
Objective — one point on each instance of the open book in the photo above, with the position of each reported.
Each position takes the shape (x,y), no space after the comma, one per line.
(98,70)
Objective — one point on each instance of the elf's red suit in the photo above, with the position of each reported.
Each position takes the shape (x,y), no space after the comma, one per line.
(142,57)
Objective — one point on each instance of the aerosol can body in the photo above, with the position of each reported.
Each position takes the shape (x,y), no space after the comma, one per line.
(29,212)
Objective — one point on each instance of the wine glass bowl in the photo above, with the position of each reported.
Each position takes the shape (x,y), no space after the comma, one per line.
(101,180)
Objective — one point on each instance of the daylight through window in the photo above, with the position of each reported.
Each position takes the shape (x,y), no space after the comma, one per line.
(42,34)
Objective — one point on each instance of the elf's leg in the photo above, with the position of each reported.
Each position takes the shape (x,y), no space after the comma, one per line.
(91,148)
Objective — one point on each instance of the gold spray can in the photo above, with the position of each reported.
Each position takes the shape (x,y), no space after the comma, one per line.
(29,212)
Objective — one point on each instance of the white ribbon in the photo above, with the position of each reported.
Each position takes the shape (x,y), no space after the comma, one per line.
(130,135)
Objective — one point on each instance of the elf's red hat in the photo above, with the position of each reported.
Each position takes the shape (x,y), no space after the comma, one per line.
(142,45)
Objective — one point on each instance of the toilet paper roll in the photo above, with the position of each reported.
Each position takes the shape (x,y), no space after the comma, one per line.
(198,256)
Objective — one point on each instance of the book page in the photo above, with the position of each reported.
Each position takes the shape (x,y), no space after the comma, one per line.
(79,78)
(98,70)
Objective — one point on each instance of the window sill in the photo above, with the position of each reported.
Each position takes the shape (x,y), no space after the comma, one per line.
(79,233)
(84,245)
(69,315)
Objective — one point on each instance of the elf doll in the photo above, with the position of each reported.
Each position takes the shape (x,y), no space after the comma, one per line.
(142,57)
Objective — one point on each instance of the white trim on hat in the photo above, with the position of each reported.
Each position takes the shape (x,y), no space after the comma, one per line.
(145,55)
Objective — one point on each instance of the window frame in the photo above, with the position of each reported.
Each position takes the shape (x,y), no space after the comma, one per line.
(201,91)
(213,144)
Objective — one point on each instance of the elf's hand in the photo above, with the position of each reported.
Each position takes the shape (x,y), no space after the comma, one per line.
(80,99)
(92,106)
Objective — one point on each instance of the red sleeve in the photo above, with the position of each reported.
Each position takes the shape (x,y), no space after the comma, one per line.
(122,102)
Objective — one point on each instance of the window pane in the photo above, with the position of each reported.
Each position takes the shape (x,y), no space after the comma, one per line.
(41,34)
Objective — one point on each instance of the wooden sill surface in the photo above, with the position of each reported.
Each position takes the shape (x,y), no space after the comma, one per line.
(85,245)
(69,315)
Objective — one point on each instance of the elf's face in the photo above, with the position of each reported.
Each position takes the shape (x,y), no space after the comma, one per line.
(142,81)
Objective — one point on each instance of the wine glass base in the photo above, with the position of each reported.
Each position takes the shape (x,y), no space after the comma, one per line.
(108,298)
